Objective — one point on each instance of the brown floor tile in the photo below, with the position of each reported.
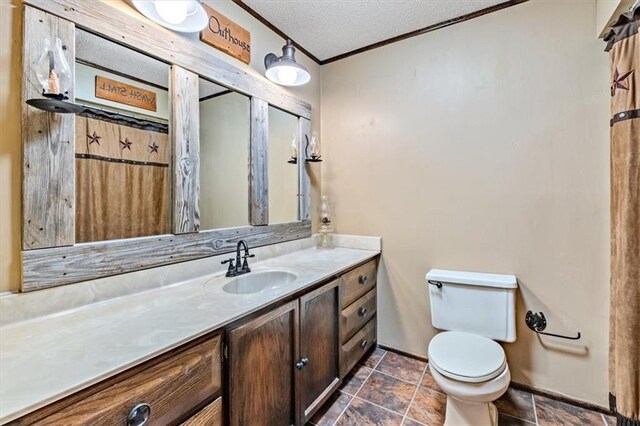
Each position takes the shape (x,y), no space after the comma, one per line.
(551,412)
(504,420)
(429,382)
(361,413)
(355,379)
(372,358)
(428,406)
(411,422)
(610,420)
(331,410)
(516,403)
(402,367)
(387,392)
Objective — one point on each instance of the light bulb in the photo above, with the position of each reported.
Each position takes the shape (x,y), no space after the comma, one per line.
(172,11)
(287,75)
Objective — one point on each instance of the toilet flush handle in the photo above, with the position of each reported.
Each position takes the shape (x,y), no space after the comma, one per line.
(436,283)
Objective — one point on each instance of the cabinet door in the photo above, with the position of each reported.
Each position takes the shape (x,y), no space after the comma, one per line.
(319,348)
(262,357)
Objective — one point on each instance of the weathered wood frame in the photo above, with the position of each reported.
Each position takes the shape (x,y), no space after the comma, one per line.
(50,256)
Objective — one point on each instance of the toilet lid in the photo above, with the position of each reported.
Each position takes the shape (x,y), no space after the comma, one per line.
(466,357)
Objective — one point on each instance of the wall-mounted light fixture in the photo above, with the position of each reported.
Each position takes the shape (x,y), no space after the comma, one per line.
(284,70)
(184,16)
(54,75)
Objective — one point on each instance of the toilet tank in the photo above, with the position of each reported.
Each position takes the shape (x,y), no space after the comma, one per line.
(478,303)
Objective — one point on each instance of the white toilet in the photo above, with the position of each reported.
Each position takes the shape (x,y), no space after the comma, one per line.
(476,309)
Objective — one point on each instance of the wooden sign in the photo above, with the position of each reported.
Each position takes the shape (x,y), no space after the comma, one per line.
(124,93)
(226,35)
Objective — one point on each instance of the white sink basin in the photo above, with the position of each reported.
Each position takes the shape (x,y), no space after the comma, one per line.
(258,281)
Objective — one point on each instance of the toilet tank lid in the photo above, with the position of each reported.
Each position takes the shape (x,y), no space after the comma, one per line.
(473,278)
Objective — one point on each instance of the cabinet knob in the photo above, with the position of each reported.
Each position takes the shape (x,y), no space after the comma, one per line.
(139,415)
(362,279)
(364,344)
(302,363)
(362,312)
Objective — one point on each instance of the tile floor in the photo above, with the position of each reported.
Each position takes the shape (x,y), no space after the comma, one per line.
(391,389)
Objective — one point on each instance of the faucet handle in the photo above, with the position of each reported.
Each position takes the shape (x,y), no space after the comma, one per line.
(248,255)
(232,269)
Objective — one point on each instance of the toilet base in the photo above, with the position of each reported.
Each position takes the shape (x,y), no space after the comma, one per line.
(463,413)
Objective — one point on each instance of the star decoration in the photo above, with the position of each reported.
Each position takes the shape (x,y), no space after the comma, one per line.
(153,147)
(618,79)
(94,138)
(126,144)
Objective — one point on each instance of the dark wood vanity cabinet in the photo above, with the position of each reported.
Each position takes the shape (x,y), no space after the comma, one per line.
(183,385)
(279,366)
(284,364)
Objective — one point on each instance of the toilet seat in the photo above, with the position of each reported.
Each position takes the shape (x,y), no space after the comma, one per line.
(466,357)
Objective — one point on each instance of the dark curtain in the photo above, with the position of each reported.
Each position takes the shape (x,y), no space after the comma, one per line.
(623,43)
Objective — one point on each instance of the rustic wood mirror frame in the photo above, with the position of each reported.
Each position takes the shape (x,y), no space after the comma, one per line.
(50,256)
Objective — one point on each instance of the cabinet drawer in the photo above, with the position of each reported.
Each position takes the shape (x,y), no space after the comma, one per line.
(170,387)
(354,316)
(357,282)
(357,346)
(211,415)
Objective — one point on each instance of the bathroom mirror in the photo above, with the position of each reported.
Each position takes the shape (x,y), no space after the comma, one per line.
(127,194)
(224,157)
(122,152)
(282,143)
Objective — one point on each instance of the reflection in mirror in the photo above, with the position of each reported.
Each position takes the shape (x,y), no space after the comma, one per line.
(122,145)
(224,157)
(283,177)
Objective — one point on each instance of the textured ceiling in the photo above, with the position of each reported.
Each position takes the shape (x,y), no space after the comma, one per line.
(328,28)
(110,56)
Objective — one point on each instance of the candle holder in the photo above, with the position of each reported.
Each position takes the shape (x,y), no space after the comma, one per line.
(314,156)
(293,159)
(325,231)
(54,75)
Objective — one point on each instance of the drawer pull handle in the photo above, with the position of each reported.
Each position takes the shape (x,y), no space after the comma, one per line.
(364,344)
(139,415)
(362,279)
(362,312)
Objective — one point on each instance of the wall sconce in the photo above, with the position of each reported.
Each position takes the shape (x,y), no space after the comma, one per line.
(293,158)
(312,149)
(54,75)
(284,70)
(184,16)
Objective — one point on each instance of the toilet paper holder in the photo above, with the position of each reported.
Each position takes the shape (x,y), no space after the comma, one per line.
(537,322)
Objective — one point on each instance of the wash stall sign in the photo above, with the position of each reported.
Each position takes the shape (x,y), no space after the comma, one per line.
(226,35)
(117,91)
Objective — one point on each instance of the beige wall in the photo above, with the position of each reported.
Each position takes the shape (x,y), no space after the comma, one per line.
(263,42)
(484,147)
(283,177)
(10,145)
(224,161)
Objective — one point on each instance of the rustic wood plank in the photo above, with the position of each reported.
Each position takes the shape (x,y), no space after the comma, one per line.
(211,415)
(258,163)
(136,31)
(238,44)
(65,265)
(184,122)
(48,141)
(304,180)
(124,93)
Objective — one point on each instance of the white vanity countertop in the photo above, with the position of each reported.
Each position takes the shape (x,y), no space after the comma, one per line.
(45,359)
